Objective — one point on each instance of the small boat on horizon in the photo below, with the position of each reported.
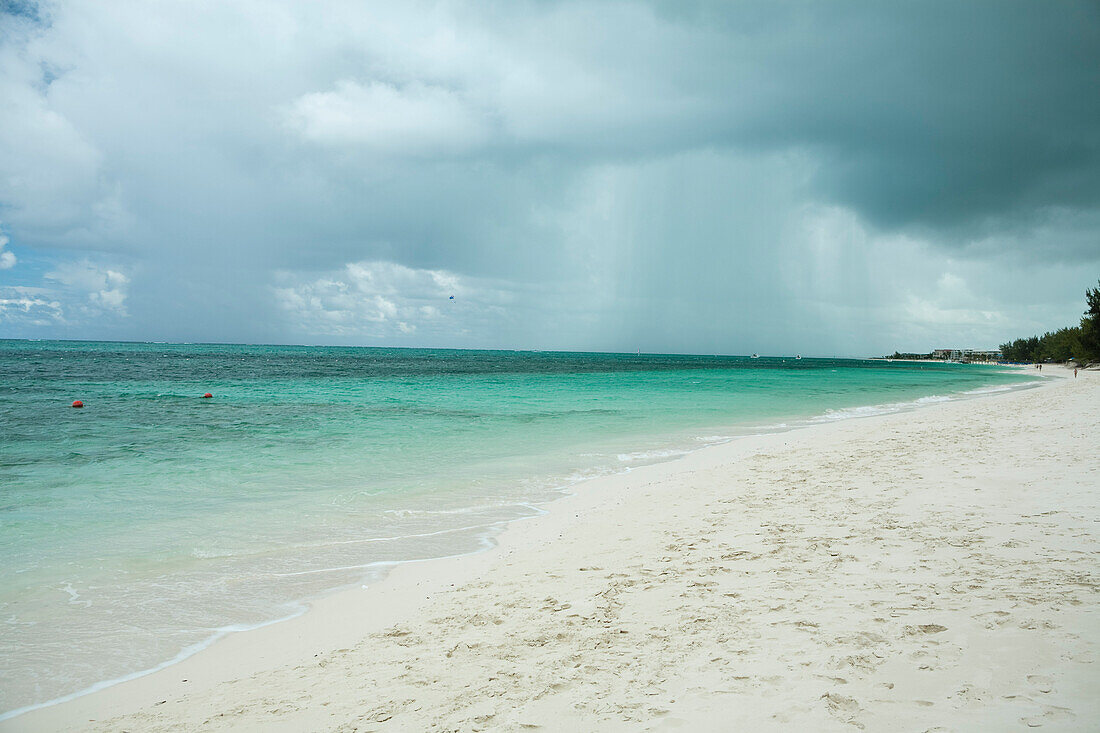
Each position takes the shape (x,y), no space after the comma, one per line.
(756,356)
(798,356)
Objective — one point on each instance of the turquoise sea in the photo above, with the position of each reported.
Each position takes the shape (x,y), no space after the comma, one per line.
(139,528)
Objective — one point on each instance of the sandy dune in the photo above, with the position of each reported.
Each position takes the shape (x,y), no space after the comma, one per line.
(933,570)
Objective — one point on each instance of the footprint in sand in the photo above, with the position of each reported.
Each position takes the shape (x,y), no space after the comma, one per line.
(924,629)
(1041,682)
(1051,714)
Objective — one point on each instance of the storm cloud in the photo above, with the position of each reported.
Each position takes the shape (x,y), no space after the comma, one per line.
(712,177)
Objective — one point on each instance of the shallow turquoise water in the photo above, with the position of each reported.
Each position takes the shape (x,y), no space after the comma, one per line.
(139,526)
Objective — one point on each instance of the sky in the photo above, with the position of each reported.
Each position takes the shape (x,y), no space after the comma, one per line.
(841,178)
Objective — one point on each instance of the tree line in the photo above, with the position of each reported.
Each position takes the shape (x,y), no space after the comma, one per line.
(1078,343)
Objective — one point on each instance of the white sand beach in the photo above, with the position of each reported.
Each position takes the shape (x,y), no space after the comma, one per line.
(929,570)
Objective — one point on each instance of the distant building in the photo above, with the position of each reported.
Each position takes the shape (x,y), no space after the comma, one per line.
(967,354)
(963,355)
(982,355)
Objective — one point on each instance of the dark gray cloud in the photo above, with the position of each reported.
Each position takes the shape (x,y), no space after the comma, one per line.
(699,176)
(933,114)
(957,113)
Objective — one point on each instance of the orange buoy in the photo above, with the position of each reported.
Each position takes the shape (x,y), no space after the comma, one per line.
(78,403)
(207,395)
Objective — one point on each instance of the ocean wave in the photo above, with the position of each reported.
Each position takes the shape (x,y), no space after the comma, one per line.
(650,455)
(893,407)
(846,413)
(462,510)
(991,390)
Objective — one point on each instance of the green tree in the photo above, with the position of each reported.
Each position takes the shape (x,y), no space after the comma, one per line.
(1025,349)
(1061,345)
(1090,326)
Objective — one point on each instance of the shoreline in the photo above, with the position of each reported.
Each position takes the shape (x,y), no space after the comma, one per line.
(489,534)
(329,620)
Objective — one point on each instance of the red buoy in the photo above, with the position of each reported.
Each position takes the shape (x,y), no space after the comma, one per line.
(207,396)
(78,403)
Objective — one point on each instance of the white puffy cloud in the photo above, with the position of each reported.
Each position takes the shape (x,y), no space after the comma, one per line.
(104,288)
(74,295)
(50,172)
(378,299)
(416,118)
(7,259)
(22,307)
